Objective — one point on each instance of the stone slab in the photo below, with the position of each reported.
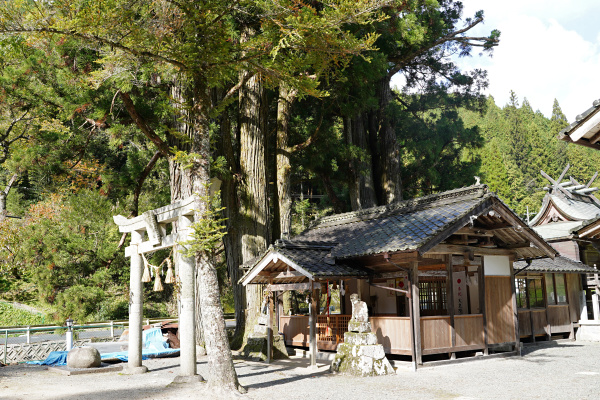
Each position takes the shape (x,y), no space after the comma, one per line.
(353,338)
(360,327)
(64,370)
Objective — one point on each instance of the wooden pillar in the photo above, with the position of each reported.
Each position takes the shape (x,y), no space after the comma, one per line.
(312,321)
(136,293)
(514,306)
(269,329)
(530,309)
(548,326)
(416,311)
(187,311)
(482,304)
(450,303)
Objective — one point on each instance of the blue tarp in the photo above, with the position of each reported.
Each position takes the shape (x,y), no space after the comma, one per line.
(155,345)
(54,358)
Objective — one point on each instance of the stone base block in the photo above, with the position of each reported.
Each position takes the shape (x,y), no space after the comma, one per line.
(355,338)
(360,360)
(188,379)
(135,370)
(256,348)
(361,327)
(589,332)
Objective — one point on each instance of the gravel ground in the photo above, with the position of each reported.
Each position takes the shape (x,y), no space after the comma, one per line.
(569,370)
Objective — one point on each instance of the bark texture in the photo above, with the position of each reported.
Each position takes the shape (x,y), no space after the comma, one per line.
(389,163)
(361,184)
(254,210)
(287,96)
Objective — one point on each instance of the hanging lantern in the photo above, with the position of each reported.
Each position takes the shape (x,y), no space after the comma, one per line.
(169,277)
(158,287)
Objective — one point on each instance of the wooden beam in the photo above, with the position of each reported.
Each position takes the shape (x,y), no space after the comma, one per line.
(516,221)
(450,301)
(474,232)
(416,313)
(406,292)
(391,275)
(482,306)
(286,274)
(282,287)
(514,305)
(478,251)
(312,321)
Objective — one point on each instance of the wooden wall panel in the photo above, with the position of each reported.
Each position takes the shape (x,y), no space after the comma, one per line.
(540,322)
(435,333)
(524,323)
(573,293)
(499,310)
(295,329)
(469,330)
(559,319)
(393,333)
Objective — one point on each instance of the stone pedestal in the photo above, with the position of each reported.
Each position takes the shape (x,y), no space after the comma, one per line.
(257,343)
(360,355)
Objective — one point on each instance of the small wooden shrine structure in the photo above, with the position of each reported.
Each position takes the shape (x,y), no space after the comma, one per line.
(150,232)
(436,272)
(568,221)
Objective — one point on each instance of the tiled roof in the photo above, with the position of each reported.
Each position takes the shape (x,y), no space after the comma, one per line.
(402,226)
(580,118)
(577,209)
(560,264)
(315,257)
(557,230)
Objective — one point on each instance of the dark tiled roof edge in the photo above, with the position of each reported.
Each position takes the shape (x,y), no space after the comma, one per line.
(580,118)
(428,241)
(451,196)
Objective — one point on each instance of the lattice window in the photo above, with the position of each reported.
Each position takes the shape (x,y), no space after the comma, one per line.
(432,296)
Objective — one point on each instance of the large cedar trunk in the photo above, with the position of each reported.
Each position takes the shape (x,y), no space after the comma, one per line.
(287,95)
(182,182)
(232,241)
(193,124)
(360,180)
(389,152)
(254,211)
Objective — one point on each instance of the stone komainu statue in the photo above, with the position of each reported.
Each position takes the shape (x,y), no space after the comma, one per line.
(359,309)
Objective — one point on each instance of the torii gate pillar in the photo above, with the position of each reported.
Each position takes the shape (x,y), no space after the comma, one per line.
(187,311)
(134,363)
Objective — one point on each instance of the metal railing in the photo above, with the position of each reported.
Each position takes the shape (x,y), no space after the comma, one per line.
(35,342)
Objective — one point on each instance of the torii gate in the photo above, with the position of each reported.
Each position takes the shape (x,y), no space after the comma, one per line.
(148,234)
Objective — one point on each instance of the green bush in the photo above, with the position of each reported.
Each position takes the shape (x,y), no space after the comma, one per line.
(11,316)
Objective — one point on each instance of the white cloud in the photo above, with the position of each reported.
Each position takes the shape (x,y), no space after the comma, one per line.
(538,56)
(549,49)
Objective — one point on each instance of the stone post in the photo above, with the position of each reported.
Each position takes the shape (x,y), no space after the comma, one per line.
(134,364)
(187,312)
(596,306)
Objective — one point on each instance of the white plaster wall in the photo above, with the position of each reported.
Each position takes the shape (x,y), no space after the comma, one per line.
(496,265)
(385,304)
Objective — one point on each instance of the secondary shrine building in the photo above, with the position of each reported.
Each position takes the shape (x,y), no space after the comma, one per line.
(437,273)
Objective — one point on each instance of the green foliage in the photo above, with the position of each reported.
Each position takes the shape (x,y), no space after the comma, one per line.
(519,143)
(12,316)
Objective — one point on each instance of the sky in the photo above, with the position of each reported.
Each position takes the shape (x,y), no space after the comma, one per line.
(549,49)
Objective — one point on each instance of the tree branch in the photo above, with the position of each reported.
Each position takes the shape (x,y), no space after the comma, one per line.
(162,146)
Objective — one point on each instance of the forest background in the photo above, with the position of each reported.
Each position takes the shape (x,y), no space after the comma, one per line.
(300,125)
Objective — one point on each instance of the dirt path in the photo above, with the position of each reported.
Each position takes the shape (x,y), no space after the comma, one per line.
(569,370)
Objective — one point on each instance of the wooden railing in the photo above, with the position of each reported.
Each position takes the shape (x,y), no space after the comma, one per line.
(393,333)
(436,334)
